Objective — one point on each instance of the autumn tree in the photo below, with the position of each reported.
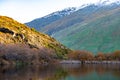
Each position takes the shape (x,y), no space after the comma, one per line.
(108,56)
(100,56)
(116,55)
(81,55)
(46,55)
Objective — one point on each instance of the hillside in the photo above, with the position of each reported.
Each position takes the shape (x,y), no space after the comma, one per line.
(94,28)
(83,15)
(99,32)
(13,32)
(39,23)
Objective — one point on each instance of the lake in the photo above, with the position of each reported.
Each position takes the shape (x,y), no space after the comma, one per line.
(62,72)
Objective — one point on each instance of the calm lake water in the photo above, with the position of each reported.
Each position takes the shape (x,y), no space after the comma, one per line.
(61,72)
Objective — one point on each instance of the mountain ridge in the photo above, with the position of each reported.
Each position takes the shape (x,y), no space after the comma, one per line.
(43,21)
(47,20)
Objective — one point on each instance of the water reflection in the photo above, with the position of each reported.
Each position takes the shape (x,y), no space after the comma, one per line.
(61,72)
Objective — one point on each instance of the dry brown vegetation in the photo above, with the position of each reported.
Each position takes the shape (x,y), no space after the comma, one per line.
(20,54)
(81,55)
(14,32)
(85,55)
(23,54)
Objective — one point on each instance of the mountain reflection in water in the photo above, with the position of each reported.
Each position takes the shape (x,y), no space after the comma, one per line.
(62,72)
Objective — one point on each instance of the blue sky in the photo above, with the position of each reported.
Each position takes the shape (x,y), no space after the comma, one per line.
(27,10)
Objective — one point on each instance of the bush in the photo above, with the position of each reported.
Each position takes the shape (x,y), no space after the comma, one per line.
(116,55)
(81,55)
(24,54)
(46,55)
(100,56)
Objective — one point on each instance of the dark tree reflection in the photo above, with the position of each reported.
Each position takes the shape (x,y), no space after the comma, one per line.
(57,72)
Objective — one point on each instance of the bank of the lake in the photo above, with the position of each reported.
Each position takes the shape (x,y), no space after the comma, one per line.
(87,62)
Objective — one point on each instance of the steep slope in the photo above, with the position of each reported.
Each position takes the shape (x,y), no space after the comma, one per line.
(100,31)
(81,15)
(14,32)
(94,28)
(42,22)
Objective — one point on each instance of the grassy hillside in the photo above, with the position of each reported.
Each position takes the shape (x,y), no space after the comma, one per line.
(94,28)
(100,33)
(42,22)
(85,15)
(13,32)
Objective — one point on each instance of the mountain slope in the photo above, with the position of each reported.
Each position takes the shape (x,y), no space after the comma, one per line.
(13,32)
(42,22)
(94,28)
(82,15)
(99,32)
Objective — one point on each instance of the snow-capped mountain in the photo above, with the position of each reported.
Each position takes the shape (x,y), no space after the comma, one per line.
(87,27)
(43,21)
(99,3)
(61,13)
(108,1)
(50,18)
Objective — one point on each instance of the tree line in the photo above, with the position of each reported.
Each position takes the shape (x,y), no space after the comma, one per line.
(86,55)
(22,54)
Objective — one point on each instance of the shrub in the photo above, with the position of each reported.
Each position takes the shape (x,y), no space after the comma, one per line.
(108,56)
(33,29)
(116,55)
(46,55)
(24,54)
(100,56)
(81,55)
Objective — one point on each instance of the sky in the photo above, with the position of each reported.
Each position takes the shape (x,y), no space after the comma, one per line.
(27,10)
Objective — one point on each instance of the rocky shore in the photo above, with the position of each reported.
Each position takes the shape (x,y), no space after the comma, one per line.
(88,62)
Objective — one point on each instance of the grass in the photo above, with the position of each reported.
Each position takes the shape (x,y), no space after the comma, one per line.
(31,36)
(99,35)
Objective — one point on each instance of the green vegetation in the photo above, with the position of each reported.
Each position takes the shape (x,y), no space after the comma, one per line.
(98,32)
(93,28)
(32,44)
(99,35)
(33,29)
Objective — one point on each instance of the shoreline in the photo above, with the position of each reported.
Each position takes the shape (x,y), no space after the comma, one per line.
(88,62)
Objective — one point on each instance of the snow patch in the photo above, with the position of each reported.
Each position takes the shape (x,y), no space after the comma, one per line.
(61,13)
